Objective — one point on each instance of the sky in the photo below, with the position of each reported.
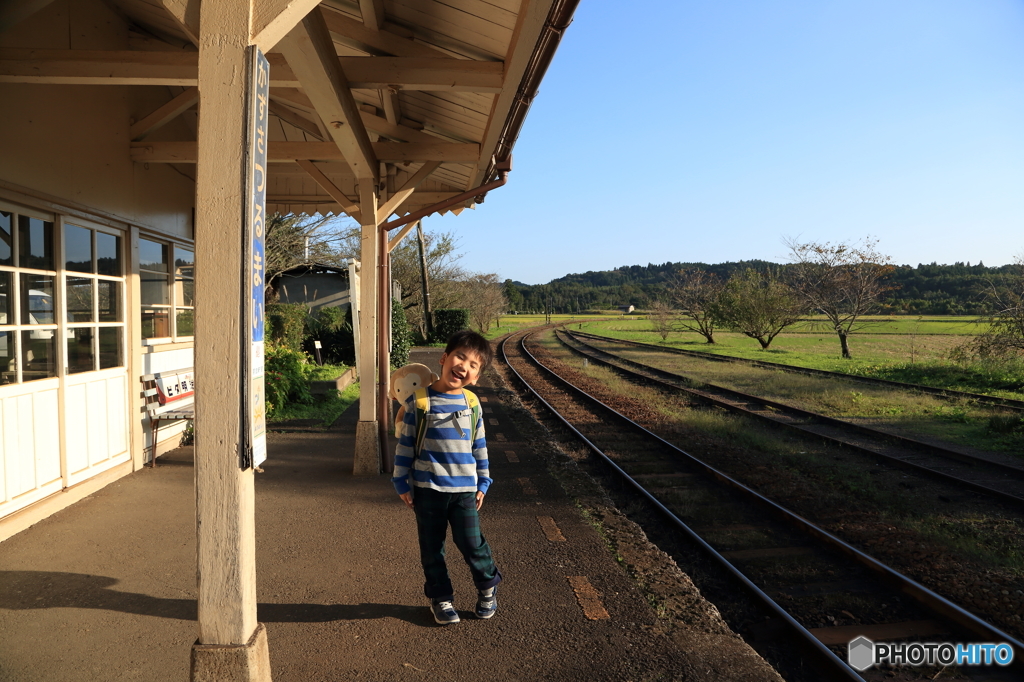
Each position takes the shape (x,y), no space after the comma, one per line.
(677,130)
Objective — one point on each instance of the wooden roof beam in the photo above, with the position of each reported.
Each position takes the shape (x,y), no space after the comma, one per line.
(12,13)
(346,204)
(297,120)
(136,67)
(310,53)
(358,35)
(399,198)
(165,114)
(280,152)
(186,13)
(373,13)
(273,19)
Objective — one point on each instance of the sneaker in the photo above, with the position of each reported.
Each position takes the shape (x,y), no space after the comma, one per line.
(444,612)
(487,602)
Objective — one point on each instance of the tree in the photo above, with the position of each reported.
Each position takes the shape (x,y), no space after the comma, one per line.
(758,305)
(662,316)
(484,297)
(293,240)
(443,270)
(841,281)
(1005,337)
(695,292)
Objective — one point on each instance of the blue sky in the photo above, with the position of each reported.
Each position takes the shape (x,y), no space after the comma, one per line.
(710,131)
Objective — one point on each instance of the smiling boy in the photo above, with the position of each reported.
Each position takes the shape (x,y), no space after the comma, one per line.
(441,473)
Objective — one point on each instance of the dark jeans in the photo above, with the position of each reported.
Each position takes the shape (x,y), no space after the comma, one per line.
(435,511)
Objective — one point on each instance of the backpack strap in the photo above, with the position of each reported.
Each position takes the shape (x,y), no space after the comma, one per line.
(422,409)
(474,411)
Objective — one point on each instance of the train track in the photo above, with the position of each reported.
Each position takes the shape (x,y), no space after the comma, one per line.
(998,480)
(775,556)
(1008,403)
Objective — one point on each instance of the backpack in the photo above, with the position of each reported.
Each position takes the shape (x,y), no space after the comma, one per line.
(423,407)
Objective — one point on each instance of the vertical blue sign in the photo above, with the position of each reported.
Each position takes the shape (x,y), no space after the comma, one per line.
(255,223)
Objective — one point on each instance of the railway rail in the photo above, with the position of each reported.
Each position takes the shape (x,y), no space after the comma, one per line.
(999,480)
(731,526)
(1008,403)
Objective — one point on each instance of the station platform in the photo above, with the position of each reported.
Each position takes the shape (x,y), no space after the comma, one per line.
(105,589)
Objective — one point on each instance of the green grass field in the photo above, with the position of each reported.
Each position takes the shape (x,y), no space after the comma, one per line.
(911,349)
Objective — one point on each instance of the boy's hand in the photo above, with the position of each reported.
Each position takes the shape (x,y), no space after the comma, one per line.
(479,500)
(407,498)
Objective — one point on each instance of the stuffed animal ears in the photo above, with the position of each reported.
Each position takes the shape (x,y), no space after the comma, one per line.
(405,380)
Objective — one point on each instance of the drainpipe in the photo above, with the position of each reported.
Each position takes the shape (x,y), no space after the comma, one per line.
(502,169)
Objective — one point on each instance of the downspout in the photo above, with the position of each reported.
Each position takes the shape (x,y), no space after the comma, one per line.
(502,169)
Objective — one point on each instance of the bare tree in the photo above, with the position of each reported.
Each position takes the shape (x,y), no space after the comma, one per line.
(695,293)
(1005,336)
(662,316)
(841,281)
(443,270)
(293,240)
(484,297)
(758,305)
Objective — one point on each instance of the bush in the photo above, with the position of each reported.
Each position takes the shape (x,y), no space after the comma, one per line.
(448,321)
(333,329)
(401,335)
(283,378)
(285,325)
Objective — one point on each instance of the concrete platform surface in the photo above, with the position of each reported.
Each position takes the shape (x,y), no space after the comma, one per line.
(105,590)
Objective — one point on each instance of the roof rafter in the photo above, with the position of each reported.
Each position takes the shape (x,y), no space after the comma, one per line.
(407,190)
(310,53)
(165,114)
(358,35)
(279,152)
(273,19)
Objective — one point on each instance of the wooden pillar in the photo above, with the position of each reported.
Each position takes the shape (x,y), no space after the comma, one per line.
(231,643)
(367,455)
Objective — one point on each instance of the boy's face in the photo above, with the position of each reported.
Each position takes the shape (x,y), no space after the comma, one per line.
(459,369)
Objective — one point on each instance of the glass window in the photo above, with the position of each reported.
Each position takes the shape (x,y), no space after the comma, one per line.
(8,364)
(77,248)
(156,323)
(110,301)
(6,239)
(38,354)
(110,347)
(79,299)
(108,254)
(35,243)
(37,299)
(154,289)
(6,300)
(186,322)
(80,352)
(152,256)
(184,273)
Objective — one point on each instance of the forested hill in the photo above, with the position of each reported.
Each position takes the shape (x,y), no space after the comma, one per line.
(957,289)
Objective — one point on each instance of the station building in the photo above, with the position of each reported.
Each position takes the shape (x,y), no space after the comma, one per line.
(127,133)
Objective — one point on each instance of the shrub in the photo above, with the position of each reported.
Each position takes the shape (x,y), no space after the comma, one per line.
(285,324)
(401,335)
(283,378)
(333,329)
(447,321)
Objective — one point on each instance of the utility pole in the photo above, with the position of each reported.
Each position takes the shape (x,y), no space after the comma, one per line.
(427,320)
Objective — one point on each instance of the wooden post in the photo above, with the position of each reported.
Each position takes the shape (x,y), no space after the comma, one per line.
(231,644)
(427,319)
(367,455)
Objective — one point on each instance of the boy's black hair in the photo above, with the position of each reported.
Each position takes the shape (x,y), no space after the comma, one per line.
(470,340)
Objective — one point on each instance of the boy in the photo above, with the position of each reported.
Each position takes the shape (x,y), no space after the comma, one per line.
(449,476)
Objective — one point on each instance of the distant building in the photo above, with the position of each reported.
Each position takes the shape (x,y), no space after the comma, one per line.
(626,309)
(314,285)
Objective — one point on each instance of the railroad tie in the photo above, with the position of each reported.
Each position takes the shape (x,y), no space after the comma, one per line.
(766,553)
(499,437)
(550,528)
(527,486)
(883,632)
(492,421)
(588,597)
(513,458)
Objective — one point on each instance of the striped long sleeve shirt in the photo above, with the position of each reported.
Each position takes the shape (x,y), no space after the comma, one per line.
(450,459)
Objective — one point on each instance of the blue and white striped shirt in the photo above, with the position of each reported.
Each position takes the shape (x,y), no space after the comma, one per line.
(450,460)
